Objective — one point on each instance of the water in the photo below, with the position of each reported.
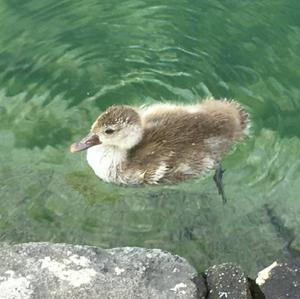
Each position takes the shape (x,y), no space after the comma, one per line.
(63,62)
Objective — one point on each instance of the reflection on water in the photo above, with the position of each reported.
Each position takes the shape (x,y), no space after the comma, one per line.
(63,62)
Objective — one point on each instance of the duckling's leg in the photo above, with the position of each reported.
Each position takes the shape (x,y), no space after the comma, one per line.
(218,180)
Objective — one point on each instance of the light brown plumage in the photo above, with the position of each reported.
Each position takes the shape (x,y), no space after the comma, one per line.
(165,142)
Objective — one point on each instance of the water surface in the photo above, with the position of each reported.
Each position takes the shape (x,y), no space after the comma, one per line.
(63,62)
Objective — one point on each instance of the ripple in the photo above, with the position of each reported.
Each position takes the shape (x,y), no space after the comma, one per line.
(63,62)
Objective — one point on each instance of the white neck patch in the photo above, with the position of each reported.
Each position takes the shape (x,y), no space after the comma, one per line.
(106,161)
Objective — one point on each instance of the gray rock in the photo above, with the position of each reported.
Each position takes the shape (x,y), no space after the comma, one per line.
(227,281)
(280,280)
(44,270)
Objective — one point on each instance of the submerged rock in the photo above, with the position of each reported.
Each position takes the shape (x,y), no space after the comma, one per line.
(44,270)
(227,281)
(280,280)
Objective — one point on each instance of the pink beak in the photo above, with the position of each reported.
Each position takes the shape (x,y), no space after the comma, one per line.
(88,141)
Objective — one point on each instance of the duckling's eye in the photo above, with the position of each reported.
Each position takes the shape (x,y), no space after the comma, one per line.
(109,131)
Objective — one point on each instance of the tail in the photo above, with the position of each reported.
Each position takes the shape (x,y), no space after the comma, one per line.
(244,118)
(229,110)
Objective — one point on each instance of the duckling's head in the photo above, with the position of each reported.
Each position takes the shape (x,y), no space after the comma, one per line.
(118,126)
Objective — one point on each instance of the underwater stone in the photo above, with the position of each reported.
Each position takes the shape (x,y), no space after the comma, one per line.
(45,270)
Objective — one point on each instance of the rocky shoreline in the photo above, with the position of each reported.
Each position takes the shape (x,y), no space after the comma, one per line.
(46,270)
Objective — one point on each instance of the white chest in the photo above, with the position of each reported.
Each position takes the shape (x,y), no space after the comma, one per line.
(106,161)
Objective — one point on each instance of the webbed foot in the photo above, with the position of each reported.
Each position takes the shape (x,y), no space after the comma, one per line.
(218,180)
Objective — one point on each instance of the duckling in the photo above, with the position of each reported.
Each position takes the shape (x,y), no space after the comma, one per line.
(163,143)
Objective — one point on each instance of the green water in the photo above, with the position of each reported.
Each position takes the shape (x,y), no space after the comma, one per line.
(63,62)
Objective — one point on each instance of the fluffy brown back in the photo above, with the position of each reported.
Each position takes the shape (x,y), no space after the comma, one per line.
(180,139)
